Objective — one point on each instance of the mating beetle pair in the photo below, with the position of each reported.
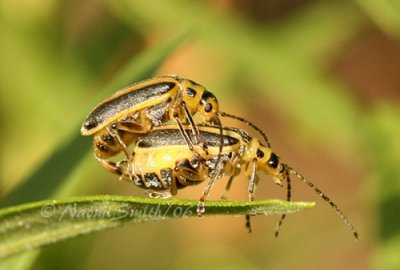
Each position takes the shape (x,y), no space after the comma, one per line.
(136,109)
(168,157)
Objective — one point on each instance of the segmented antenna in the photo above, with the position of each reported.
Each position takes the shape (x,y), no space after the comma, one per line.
(288,198)
(249,124)
(321,194)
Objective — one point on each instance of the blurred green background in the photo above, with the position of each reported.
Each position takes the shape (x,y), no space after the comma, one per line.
(321,77)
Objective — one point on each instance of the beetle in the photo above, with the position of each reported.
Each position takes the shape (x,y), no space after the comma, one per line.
(116,122)
(164,164)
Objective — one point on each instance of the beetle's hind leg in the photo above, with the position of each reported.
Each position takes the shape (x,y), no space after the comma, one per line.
(129,157)
(158,194)
(110,166)
(120,169)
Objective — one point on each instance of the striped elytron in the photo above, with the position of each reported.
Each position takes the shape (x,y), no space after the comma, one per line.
(163,164)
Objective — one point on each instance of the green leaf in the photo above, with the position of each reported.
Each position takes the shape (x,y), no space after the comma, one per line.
(46,180)
(32,225)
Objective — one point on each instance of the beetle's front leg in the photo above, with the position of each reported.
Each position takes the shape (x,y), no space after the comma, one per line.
(219,170)
(179,110)
(195,130)
(233,173)
(252,173)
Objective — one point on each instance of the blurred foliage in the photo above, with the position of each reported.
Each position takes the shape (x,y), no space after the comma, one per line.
(282,60)
(66,157)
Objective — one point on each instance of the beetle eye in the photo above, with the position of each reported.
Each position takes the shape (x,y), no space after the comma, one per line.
(207,100)
(191,92)
(273,161)
(281,168)
(208,108)
(260,154)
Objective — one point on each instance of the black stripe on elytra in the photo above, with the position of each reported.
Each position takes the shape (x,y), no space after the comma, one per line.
(170,137)
(128,100)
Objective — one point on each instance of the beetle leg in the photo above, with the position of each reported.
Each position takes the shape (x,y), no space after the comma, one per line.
(187,175)
(288,198)
(224,195)
(252,187)
(157,194)
(229,184)
(232,168)
(195,130)
(176,112)
(110,166)
(117,168)
(192,170)
(189,172)
(141,124)
(186,172)
(125,149)
(121,169)
(213,176)
(201,205)
(252,179)
(184,133)
(174,188)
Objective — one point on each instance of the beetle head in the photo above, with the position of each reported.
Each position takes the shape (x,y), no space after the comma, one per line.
(271,164)
(198,99)
(208,107)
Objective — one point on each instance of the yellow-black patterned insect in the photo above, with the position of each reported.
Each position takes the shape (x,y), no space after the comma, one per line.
(117,121)
(164,164)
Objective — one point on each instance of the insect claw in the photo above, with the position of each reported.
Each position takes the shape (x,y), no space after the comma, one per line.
(155,194)
(278,181)
(201,208)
